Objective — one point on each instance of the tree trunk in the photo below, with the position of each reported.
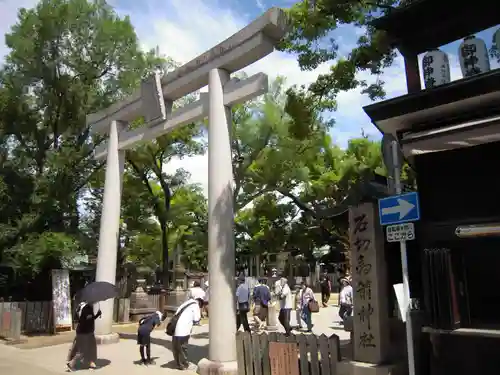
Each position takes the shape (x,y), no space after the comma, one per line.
(164,257)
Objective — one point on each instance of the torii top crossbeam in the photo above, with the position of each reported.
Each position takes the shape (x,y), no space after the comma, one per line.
(248,45)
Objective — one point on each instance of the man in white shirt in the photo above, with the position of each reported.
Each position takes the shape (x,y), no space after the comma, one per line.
(345,299)
(286,305)
(187,318)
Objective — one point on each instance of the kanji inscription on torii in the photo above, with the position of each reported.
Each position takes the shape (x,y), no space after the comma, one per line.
(371,318)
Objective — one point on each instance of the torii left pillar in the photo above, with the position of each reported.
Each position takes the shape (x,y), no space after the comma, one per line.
(109,231)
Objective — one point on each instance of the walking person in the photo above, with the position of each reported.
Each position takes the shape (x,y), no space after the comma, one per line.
(326,288)
(243,305)
(298,307)
(84,346)
(307,297)
(187,315)
(345,299)
(146,326)
(261,298)
(285,297)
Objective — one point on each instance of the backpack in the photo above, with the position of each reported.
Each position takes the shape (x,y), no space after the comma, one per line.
(145,319)
(170,330)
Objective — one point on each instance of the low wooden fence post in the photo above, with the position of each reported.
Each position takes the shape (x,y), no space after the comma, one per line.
(10,322)
(35,316)
(317,355)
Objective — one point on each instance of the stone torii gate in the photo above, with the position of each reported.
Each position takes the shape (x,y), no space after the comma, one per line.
(154,102)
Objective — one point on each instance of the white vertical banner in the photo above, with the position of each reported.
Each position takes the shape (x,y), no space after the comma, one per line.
(61,299)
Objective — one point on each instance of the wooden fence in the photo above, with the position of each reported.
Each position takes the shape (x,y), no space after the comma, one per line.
(318,355)
(10,323)
(36,317)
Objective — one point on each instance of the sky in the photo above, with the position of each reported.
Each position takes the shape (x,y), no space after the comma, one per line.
(183,29)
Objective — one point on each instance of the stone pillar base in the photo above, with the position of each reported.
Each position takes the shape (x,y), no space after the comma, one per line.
(111,338)
(362,368)
(272,320)
(207,367)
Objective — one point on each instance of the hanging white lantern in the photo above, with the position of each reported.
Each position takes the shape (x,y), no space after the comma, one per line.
(436,68)
(473,56)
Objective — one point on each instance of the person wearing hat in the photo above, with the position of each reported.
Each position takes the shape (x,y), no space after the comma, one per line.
(345,299)
(146,326)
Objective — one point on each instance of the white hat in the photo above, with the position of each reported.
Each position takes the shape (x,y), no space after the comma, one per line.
(160,315)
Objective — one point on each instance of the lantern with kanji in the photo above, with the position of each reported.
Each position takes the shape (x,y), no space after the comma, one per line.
(436,68)
(473,56)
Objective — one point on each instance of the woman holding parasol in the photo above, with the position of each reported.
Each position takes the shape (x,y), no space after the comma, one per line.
(84,345)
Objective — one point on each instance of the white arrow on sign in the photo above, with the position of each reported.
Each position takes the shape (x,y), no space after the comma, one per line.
(403,208)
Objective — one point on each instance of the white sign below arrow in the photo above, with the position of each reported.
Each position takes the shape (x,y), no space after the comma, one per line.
(403,208)
(400,232)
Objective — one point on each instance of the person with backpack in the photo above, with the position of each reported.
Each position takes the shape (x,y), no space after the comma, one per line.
(180,326)
(146,326)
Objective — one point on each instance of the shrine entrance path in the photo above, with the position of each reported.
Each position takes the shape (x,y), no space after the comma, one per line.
(121,358)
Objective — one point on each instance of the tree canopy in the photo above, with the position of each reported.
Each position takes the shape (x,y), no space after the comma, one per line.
(312,38)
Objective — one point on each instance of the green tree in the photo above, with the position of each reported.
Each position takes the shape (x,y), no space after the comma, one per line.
(147,164)
(67,58)
(267,154)
(311,38)
(267,225)
(188,226)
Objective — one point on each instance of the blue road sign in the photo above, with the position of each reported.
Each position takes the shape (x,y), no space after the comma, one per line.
(399,209)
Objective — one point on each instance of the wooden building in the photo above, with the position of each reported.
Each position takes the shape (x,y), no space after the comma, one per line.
(450,134)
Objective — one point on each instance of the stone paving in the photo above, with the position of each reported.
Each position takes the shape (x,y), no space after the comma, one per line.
(122,358)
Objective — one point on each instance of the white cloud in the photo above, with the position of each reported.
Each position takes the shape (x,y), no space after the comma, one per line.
(192,27)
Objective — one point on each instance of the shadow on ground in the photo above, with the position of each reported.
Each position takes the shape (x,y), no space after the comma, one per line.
(100,363)
(170,365)
(139,361)
(195,352)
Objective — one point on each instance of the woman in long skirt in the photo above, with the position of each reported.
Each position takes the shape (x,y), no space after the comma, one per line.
(84,346)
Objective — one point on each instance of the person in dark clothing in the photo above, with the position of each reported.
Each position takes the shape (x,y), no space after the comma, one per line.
(146,326)
(261,298)
(325,290)
(84,345)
